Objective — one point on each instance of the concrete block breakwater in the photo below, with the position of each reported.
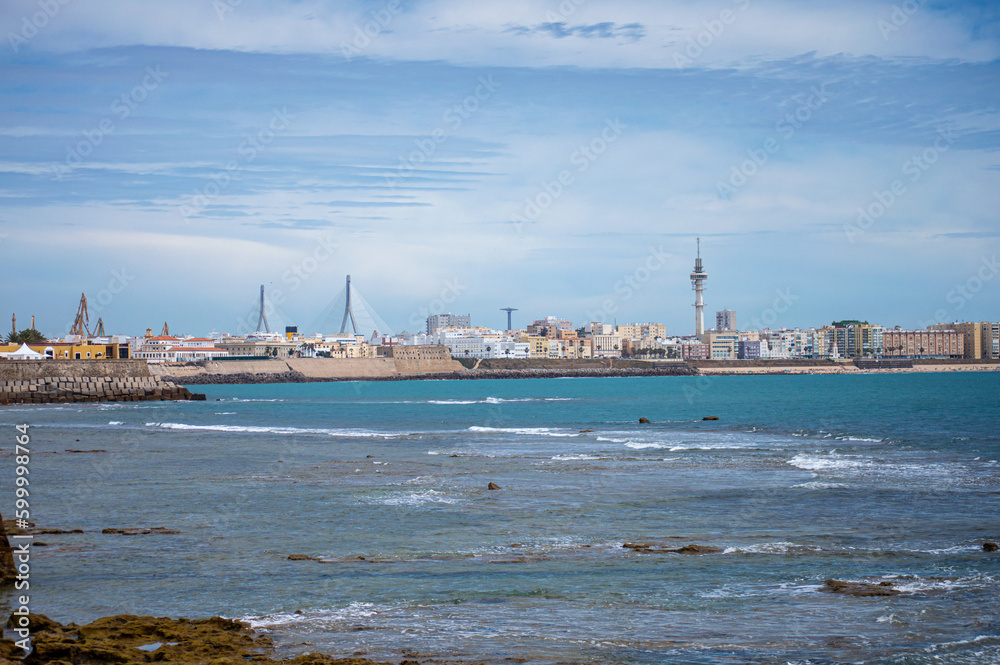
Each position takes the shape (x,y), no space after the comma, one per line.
(60,390)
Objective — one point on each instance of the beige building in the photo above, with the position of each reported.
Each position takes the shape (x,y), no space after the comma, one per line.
(640,330)
(258,348)
(538,347)
(923,343)
(981,340)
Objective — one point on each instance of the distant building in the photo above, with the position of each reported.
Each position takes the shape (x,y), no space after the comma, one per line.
(748,349)
(607,346)
(857,339)
(722,346)
(981,340)
(437,321)
(550,326)
(725,321)
(923,344)
(641,330)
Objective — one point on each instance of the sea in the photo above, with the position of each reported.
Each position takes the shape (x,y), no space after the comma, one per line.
(384,487)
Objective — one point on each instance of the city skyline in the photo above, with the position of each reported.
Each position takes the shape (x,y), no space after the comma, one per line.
(558,158)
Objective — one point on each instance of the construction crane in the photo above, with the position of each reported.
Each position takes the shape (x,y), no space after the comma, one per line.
(80,323)
(99,331)
(166,330)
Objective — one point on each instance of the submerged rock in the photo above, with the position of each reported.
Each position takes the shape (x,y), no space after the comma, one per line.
(139,531)
(493,486)
(644,420)
(301,557)
(860,589)
(990,547)
(710,418)
(660,549)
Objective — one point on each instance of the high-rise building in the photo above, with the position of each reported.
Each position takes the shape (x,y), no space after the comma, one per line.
(725,321)
(437,321)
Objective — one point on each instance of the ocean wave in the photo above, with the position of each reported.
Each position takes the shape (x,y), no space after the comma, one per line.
(116,422)
(643,446)
(613,440)
(415,498)
(251,429)
(781,547)
(256,399)
(538,431)
(819,485)
(486,400)
(567,458)
(863,439)
(352,612)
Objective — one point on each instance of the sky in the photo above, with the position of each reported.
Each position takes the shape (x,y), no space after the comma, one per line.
(838,160)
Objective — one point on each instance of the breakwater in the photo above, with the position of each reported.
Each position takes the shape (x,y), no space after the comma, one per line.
(64,381)
(59,390)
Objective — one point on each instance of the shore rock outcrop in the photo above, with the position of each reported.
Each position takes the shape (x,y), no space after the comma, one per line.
(132,640)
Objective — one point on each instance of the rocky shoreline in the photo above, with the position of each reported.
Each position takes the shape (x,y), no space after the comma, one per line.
(128,640)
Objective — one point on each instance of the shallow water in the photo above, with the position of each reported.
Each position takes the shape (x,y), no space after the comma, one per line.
(803,478)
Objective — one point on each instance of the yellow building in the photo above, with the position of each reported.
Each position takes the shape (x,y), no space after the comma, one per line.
(538,347)
(71,351)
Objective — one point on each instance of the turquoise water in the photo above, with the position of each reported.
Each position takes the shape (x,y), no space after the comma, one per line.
(803,478)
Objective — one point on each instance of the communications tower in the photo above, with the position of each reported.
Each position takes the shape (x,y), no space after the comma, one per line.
(698,277)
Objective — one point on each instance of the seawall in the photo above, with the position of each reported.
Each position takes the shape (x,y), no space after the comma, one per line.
(61,381)
(302,370)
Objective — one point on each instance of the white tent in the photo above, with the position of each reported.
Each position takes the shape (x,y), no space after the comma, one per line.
(24,353)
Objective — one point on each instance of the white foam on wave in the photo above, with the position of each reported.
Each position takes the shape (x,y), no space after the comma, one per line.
(485,400)
(255,399)
(839,464)
(830,462)
(116,422)
(567,458)
(863,439)
(819,485)
(917,584)
(352,612)
(252,429)
(536,431)
(643,446)
(613,440)
(781,547)
(416,498)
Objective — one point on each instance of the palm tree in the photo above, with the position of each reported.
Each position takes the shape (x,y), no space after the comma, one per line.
(26,336)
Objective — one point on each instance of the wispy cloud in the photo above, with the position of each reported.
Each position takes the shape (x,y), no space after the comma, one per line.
(631,32)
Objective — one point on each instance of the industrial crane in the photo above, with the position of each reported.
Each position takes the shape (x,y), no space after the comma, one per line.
(80,324)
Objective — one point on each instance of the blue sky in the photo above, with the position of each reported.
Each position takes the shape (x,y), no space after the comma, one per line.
(838,160)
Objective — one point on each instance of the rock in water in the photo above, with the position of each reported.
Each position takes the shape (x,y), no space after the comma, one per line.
(493,486)
(8,571)
(698,549)
(644,420)
(990,547)
(710,418)
(860,589)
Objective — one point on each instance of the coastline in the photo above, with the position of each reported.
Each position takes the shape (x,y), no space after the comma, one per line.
(552,369)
